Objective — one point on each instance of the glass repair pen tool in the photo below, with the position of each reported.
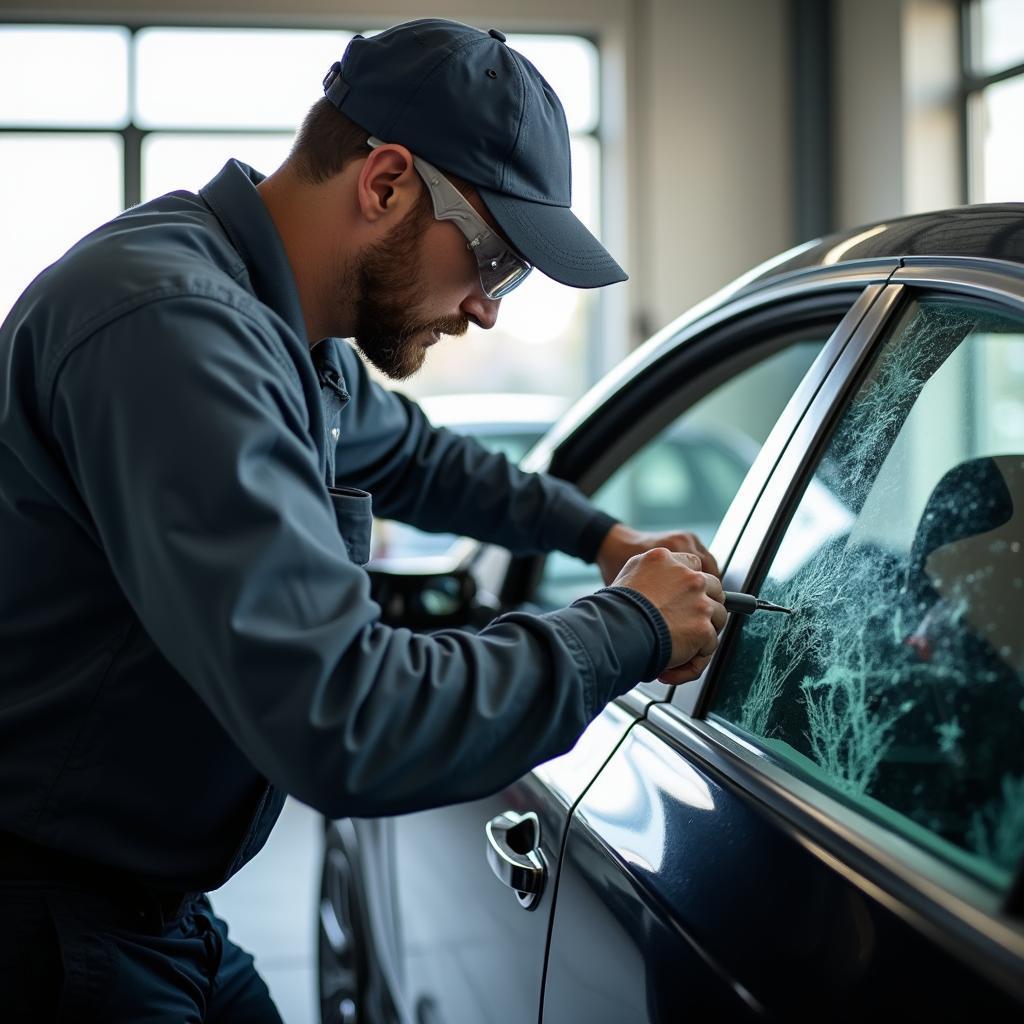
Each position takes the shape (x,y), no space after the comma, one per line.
(747,604)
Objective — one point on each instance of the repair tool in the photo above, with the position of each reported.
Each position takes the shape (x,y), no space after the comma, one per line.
(747,604)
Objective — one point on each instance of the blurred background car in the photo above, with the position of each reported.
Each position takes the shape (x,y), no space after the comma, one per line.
(688,476)
(503,422)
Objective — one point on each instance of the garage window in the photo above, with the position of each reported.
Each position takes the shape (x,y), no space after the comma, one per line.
(993,91)
(897,684)
(97,118)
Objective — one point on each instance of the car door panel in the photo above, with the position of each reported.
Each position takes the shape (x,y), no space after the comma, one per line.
(681,895)
(618,951)
(466,947)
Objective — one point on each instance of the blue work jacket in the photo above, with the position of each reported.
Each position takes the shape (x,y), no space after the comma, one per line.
(186,631)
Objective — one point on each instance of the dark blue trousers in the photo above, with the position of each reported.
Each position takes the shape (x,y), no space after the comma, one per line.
(70,954)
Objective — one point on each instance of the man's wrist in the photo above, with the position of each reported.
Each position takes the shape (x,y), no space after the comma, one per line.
(659,627)
(595,533)
(625,638)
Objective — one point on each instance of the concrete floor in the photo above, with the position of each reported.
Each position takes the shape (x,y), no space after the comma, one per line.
(270,906)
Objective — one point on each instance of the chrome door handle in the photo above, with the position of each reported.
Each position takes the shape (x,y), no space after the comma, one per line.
(513,851)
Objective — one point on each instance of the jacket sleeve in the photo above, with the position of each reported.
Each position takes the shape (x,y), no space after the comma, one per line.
(441,481)
(189,443)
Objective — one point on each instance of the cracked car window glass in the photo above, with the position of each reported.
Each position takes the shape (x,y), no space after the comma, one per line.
(686,476)
(897,682)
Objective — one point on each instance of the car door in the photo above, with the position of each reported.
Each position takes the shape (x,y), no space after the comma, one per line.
(830,822)
(468,946)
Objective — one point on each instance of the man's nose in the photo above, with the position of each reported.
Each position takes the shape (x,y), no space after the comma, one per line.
(481,310)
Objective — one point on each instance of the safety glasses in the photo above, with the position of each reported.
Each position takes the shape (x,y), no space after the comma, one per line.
(501,269)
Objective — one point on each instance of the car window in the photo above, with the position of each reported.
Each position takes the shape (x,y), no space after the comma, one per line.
(686,476)
(391,539)
(513,444)
(896,684)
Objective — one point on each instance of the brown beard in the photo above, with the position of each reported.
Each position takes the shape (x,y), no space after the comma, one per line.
(387,275)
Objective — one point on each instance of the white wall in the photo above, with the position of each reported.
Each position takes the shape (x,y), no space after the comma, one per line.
(714,162)
(897,127)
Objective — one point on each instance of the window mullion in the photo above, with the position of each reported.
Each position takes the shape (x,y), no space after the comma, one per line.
(131,135)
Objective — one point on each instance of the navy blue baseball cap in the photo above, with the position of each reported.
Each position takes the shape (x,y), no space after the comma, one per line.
(466,101)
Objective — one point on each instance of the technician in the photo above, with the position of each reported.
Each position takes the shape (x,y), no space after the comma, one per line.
(187,455)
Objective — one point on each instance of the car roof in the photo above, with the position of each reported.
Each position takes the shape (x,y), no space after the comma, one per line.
(993,231)
(989,232)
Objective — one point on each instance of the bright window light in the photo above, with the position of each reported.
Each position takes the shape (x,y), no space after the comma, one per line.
(998,143)
(177,161)
(63,76)
(997,35)
(569,64)
(586,181)
(42,212)
(231,78)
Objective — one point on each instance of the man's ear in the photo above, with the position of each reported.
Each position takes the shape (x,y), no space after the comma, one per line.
(388,184)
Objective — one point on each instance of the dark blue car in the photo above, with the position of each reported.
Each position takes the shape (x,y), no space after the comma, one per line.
(829,824)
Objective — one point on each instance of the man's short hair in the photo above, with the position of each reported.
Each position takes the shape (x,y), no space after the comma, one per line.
(328,140)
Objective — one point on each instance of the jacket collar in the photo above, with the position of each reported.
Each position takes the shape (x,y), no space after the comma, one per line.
(233,198)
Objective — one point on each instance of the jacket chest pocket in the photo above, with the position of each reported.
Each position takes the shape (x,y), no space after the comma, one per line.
(353,510)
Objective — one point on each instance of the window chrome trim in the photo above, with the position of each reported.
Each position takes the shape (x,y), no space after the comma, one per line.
(723,544)
(637,700)
(793,445)
(986,279)
(804,445)
(951,909)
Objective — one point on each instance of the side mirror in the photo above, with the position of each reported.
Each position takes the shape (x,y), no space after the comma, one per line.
(424,600)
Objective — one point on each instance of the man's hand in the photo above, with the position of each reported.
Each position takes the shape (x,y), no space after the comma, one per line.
(690,601)
(622,543)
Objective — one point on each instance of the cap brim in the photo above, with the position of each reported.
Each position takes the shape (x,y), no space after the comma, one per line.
(554,240)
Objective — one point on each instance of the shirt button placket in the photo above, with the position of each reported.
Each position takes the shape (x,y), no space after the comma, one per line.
(333,434)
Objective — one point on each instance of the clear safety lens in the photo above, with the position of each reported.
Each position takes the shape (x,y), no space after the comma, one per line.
(501,272)
(501,268)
